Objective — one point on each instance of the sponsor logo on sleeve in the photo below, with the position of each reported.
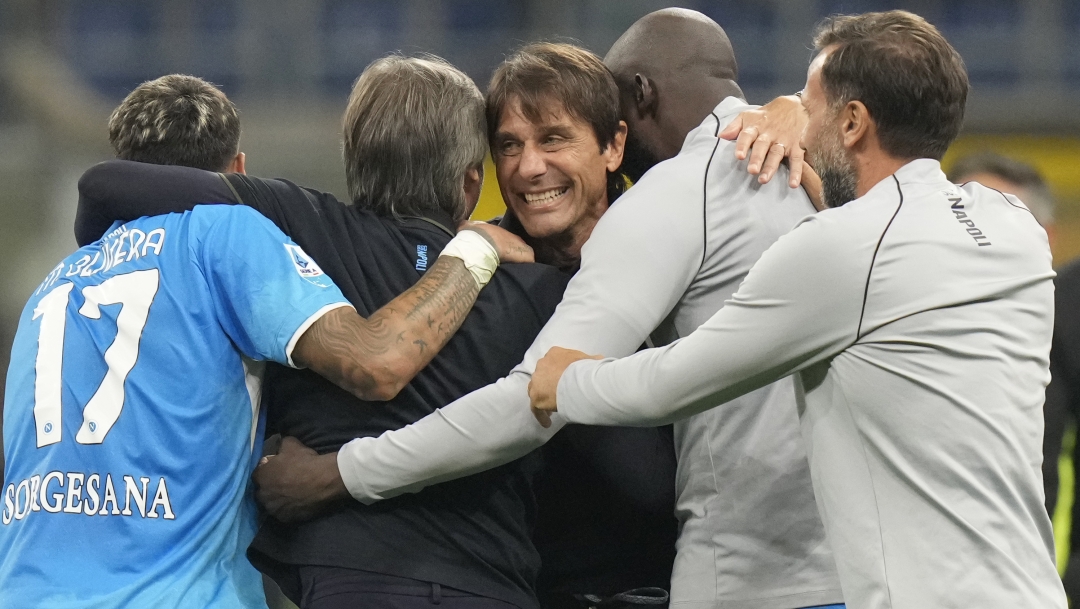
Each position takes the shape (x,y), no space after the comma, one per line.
(305,266)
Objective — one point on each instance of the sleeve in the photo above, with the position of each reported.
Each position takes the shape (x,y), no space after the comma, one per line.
(799,305)
(126,190)
(635,268)
(267,290)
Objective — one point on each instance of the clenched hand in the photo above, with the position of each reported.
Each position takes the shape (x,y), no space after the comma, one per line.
(298,483)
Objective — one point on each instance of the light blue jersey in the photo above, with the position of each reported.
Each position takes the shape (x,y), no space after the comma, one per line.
(131,411)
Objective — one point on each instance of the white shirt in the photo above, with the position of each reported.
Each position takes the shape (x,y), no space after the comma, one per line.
(661,261)
(920,317)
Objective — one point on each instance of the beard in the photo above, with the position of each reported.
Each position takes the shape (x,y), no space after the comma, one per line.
(637,158)
(839,179)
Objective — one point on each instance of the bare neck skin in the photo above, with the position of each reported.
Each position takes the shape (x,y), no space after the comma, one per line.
(874,165)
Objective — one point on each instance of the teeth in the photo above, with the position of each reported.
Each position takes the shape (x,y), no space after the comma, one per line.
(544,197)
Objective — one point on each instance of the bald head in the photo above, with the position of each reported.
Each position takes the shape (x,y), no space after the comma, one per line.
(673,67)
(675,41)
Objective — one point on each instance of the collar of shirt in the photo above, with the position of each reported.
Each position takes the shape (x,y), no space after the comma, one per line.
(436,218)
(919,171)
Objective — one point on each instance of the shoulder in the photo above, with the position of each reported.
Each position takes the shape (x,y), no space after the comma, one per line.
(536,286)
(225,215)
(281,199)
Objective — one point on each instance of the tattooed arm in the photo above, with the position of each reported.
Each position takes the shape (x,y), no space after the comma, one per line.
(375,358)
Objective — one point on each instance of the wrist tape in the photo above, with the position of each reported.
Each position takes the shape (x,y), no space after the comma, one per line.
(476,252)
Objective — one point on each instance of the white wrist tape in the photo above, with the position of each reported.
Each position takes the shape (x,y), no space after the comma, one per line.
(478,255)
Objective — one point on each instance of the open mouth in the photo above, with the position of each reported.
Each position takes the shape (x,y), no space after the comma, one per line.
(543,198)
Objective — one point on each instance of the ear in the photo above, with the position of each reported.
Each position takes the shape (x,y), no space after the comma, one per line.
(644,95)
(855,124)
(614,152)
(472,184)
(237,164)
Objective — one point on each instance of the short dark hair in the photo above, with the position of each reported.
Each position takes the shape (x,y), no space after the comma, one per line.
(176,120)
(912,81)
(545,72)
(413,127)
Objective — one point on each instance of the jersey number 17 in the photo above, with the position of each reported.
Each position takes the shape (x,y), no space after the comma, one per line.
(135,292)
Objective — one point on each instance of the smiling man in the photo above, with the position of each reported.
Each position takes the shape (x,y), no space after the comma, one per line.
(606,495)
(557,141)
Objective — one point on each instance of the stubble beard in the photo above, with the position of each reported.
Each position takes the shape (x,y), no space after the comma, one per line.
(839,179)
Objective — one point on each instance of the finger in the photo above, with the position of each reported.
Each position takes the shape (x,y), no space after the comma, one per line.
(543,417)
(795,162)
(772,162)
(745,142)
(758,153)
(732,130)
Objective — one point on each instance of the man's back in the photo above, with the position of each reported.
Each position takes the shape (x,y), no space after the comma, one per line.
(933,417)
(748,529)
(471,534)
(130,424)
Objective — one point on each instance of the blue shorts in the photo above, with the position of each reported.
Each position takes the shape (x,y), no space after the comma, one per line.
(840,606)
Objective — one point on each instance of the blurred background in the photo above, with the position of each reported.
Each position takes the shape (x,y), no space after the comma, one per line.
(289,65)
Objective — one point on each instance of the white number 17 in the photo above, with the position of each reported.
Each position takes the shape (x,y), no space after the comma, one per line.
(135,293)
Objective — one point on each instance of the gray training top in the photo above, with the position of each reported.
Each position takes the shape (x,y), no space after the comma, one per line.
(664,258)
(920,317)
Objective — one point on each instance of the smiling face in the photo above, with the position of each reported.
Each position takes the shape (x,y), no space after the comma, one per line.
(823,141)
(553,174)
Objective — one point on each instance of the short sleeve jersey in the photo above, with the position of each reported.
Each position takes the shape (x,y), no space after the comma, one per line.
(131,411)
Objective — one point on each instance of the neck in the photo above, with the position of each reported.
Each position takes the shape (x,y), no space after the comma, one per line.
(694,103)
(873,167)
(563,250)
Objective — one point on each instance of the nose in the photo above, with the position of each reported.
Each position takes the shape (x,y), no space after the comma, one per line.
(532,164)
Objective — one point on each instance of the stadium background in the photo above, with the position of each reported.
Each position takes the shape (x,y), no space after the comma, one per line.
(64,64)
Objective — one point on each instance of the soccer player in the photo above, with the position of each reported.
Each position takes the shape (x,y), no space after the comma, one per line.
(132,400)
(918,316)
(415,140)
(659,262)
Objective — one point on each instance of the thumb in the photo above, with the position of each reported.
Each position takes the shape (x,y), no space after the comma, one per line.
(732,130)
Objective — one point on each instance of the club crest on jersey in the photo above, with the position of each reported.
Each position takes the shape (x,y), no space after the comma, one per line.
(305,266)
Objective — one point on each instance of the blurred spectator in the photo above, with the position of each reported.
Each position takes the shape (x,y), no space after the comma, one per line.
(1063,395)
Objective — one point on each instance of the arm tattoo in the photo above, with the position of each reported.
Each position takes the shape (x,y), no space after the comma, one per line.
(375,357)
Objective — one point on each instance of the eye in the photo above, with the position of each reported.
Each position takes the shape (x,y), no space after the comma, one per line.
(553,140)
(509,148)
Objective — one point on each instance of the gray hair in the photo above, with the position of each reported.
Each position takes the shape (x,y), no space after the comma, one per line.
(176,120)
(413,127)
(1037,194)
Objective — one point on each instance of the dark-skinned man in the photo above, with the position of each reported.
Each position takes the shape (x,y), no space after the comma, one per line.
(659,263)
(918,315)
